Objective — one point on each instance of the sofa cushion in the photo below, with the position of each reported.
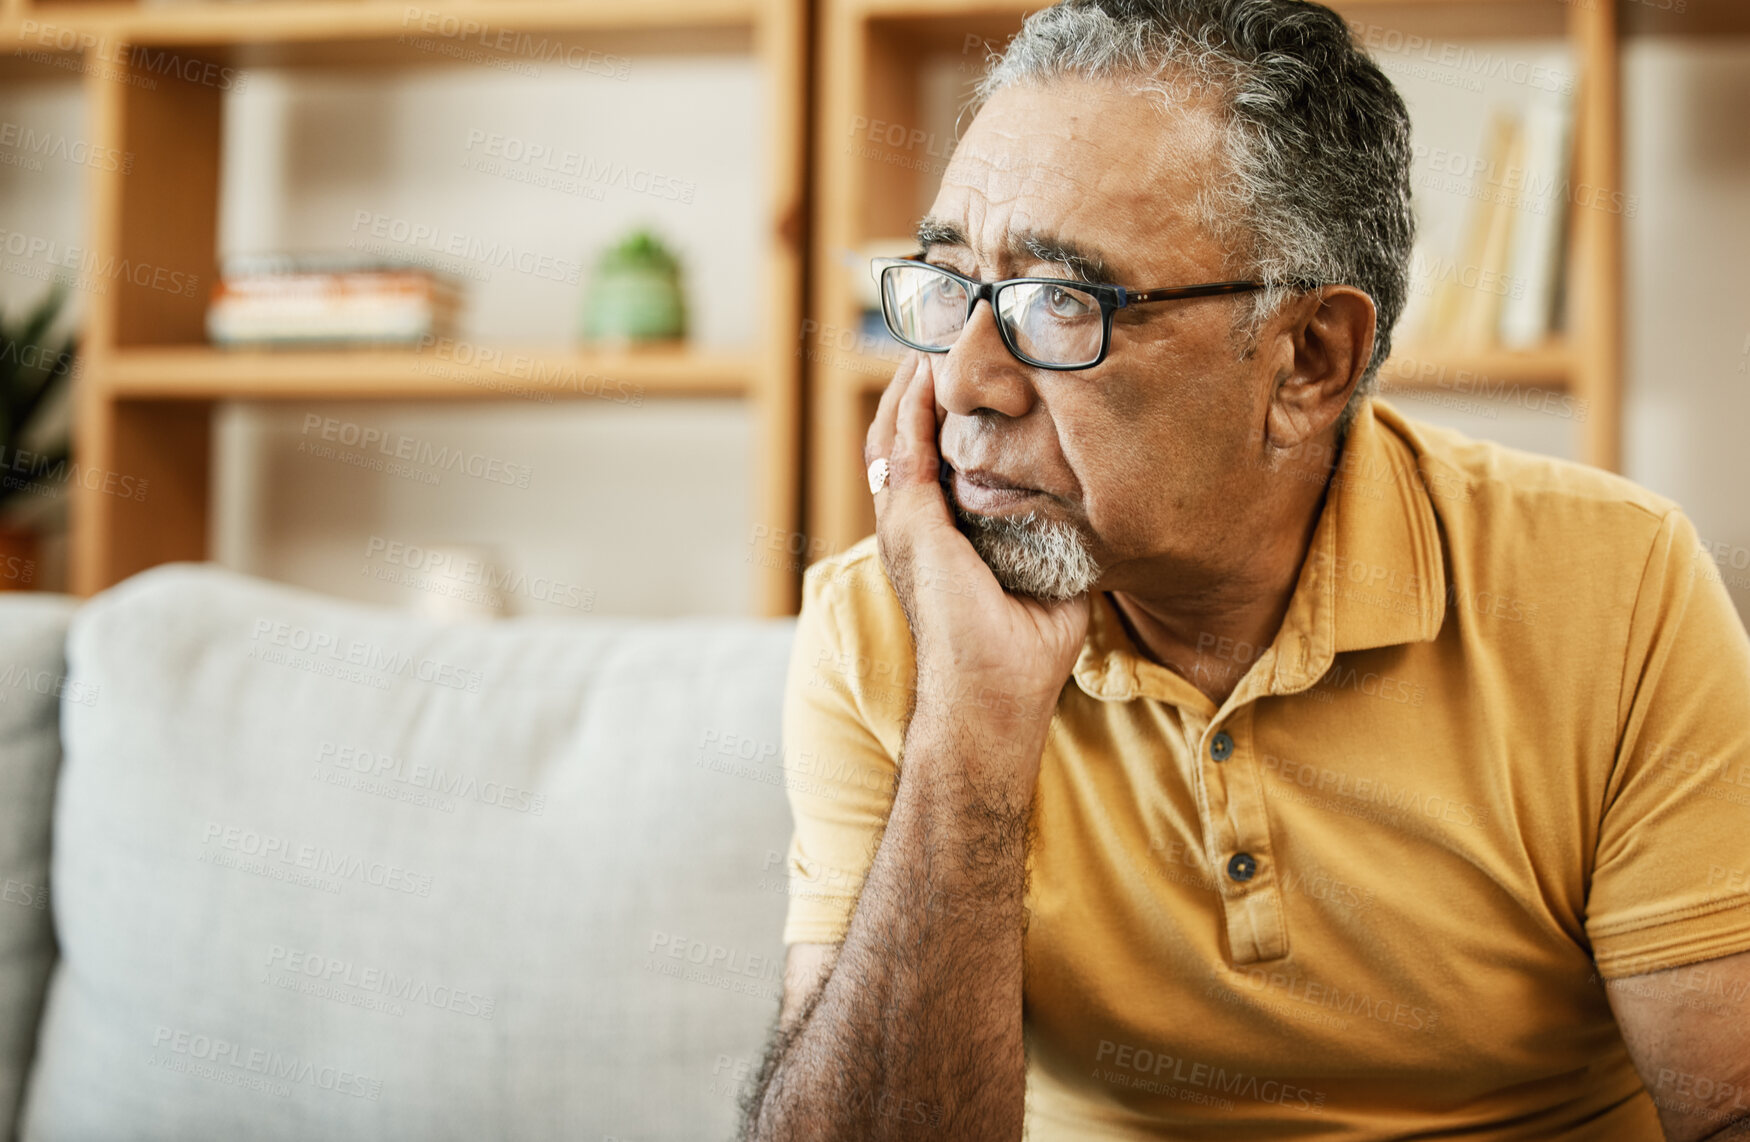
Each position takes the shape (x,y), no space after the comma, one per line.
(33,682)
(332,871)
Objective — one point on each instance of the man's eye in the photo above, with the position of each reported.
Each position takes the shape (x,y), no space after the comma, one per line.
(1067,303)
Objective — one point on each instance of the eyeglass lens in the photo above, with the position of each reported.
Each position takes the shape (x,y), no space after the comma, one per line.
(1052,323)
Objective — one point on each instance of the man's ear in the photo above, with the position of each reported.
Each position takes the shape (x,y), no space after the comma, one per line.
(1331,332)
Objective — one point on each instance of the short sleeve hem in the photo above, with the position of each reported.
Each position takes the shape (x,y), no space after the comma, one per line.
(1705,933)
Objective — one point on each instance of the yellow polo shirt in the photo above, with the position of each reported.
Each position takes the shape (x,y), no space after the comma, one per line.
(1499,749)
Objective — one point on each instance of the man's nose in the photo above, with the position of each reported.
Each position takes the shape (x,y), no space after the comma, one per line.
(979,372)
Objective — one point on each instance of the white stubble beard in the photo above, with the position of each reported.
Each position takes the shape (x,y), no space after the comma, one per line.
(1044,559)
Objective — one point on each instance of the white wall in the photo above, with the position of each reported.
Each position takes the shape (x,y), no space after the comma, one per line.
(42,195)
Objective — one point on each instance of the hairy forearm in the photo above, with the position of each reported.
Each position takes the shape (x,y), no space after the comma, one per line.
(917,1032)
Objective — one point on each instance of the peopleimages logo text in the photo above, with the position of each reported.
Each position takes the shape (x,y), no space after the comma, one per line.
(317,859)
(220,1054)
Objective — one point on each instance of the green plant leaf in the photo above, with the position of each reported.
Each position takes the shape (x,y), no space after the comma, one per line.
(31,372)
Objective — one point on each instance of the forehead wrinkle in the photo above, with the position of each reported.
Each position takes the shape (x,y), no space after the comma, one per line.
(1026,242)
(1034,159)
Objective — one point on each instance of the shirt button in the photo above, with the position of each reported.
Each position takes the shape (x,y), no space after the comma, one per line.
(1241,866)
(1221,747)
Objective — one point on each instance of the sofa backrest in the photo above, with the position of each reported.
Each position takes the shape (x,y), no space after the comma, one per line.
(324,870)
(33,682)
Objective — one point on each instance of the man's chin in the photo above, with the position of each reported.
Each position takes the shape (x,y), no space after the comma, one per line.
(1030,555)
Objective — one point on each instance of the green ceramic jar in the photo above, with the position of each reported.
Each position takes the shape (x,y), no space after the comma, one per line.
(636,295)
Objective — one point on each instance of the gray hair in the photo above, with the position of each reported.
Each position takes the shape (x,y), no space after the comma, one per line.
(1317,140)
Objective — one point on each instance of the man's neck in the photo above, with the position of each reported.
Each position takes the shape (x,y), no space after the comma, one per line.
(1212,633)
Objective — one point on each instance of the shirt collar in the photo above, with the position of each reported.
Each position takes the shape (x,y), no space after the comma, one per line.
(1374,576)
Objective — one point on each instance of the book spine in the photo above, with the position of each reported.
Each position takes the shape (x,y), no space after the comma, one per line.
(1535,261)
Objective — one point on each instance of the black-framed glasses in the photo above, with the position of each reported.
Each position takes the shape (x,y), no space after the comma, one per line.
(1049,323)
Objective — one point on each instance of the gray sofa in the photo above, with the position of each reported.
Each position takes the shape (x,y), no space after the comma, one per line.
(279,866)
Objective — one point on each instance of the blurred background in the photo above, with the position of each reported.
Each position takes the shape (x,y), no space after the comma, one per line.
(552,308)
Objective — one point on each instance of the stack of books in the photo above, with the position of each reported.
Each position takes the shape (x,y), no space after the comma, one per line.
(1502,286)
(299,301)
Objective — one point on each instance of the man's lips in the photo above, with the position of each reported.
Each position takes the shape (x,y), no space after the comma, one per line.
(985,478)
(981,490)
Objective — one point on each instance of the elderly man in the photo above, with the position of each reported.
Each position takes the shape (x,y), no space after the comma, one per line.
(1201,748)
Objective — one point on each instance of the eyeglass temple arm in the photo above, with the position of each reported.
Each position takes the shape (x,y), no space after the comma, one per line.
(1135,296)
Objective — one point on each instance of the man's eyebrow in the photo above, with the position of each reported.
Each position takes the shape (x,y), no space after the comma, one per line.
(936,232)
(1082,263)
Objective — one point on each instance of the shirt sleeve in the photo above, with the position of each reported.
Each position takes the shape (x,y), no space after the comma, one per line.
(845,701)
(1671,880)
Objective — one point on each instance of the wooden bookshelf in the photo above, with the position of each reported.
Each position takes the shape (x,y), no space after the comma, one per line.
(880,50)
(149,380)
